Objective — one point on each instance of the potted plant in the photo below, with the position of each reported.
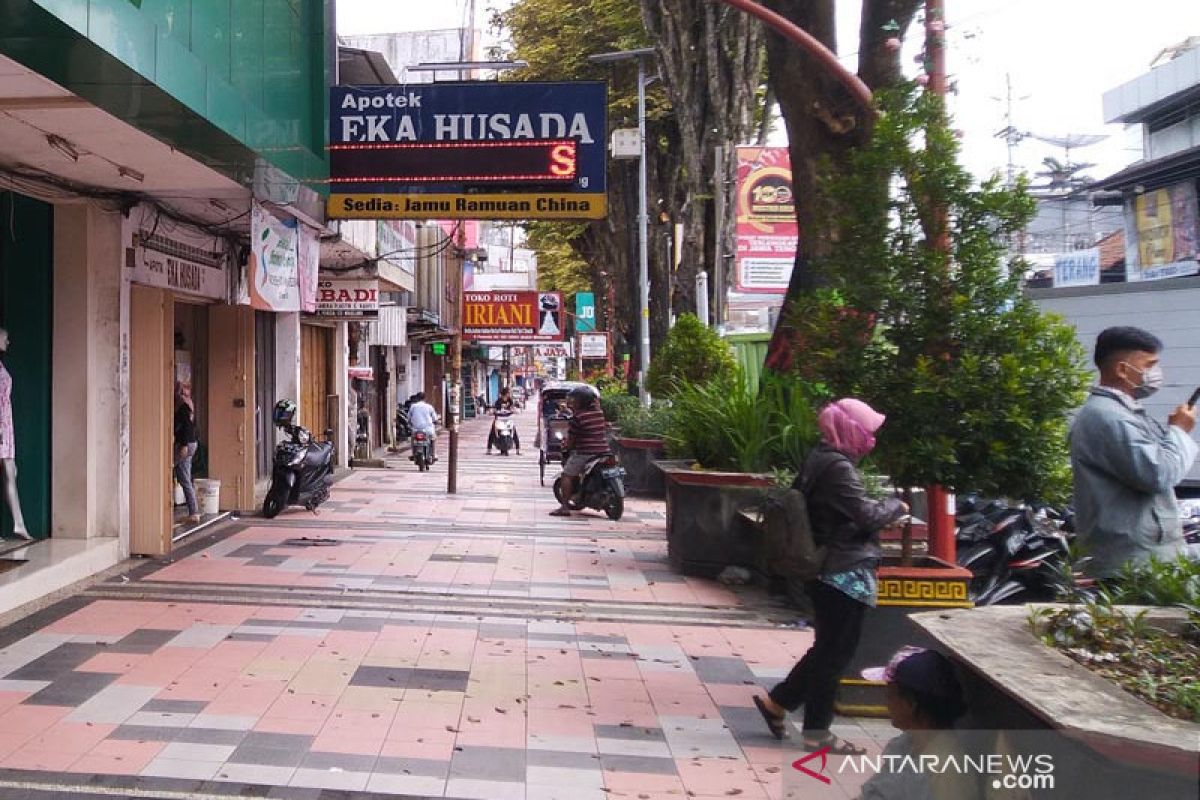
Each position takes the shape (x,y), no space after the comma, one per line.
(639,444)
(731,436)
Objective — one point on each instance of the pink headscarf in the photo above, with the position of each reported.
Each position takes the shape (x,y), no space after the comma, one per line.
(849,426)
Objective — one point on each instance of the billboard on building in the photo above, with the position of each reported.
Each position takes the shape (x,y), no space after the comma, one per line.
(767,234)
(1077,268)
(513,317)
(485,150)
(593,345)
(1162,234)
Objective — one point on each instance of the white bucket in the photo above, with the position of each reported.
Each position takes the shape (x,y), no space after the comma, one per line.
(208,495)
(179,498)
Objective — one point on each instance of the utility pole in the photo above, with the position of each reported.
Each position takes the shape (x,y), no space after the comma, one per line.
(719,187)
(456,290)
(941,511)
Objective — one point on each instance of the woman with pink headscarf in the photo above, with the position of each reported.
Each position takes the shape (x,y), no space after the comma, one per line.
(847,523)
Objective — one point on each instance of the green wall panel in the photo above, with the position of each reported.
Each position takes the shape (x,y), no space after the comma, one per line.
(26,311)
(172,18)
(211,34)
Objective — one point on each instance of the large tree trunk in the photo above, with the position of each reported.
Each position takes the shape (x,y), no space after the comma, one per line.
(824,123)
(711,58)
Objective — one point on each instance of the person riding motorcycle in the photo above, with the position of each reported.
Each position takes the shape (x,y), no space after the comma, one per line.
(403,428)
(422,418)
(587,438)
(505,406)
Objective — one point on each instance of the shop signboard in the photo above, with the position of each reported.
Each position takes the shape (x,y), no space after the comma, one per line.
(513,317)
(308,257)
(350,299)
(396,242)
(543,352)
(1077,268)
(162,262)
(1162,233)
(483,150)
(593,345)
(273,265)
(767,233)
(585,312)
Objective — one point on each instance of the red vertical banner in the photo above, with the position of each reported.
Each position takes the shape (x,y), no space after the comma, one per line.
(767,233)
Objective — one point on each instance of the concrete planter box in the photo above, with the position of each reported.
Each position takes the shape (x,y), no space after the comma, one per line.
(1107,735)
(929,583)
(637,457)
(705,532)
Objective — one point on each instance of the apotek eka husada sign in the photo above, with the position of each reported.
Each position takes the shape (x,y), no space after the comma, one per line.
(485,150)
(513,317)
(767,234)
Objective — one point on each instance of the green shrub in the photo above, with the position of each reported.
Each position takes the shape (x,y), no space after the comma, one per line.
(647,423)
(617,406)
(1157,583)
(728,424)
(692,354)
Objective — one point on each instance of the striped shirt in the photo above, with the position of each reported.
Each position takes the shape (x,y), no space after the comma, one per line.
(588,432)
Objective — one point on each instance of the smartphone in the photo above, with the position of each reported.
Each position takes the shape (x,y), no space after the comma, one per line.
(1195,396)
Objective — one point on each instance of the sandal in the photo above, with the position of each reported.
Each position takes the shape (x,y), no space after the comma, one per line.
(560,512)
(775,723)
(837,746)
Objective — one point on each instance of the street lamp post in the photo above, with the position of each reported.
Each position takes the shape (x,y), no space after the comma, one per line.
(640,54)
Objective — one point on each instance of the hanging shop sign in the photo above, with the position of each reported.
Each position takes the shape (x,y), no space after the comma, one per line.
(308,262)
(487,150)
(1162,233)
(356,299)
(767,233)
(585,312)
(1077,268)
(273,267)
(513,317)
(171,264)
(593,345)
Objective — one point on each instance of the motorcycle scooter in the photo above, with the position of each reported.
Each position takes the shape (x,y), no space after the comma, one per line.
(302,473)
(504,433)
(602,487)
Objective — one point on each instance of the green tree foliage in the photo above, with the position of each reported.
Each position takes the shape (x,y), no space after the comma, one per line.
(976,381)
(692,353)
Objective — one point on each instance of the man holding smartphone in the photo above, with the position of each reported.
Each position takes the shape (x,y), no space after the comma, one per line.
(1126,464)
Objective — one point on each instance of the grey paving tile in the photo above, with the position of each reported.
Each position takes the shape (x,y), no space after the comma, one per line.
(210,736)
(418,679)
(175,706)
(632,732)
(278,741)
(57,663)
(723,670)
(190,751)
(560,759)
(256,774)
(464,559)
(145,733)
(651,766)
(489,763)
(162,719)
(143,640)
(473,789)
(72,689)
(328,779)
(251,637)
(424,767)
(347,762)
(267,756)
(176,768)
(409,785)
(267,561)
(633,747)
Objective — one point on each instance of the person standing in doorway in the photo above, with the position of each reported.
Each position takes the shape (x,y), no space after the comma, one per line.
(185,448)
(8,447)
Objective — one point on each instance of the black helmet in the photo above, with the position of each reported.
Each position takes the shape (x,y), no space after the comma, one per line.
(284,413)
(583,395)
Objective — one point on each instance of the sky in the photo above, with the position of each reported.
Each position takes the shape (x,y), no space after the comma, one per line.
(1061,56)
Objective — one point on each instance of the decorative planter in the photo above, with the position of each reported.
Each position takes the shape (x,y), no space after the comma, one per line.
(1105,741)
(929,583)
(705,532)
(637,457)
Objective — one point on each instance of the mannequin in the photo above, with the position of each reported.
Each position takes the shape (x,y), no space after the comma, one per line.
(8,452)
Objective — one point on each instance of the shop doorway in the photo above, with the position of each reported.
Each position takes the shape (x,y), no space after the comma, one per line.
(27,313)
(264,401)
(316,377)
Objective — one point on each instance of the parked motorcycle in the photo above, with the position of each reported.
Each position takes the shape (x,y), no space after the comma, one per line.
(602,487)
(303,468)
(422,450)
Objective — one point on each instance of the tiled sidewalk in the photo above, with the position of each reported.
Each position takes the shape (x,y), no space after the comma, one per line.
(464,646)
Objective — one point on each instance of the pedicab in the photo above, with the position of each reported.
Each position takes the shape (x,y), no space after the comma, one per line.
(554,419)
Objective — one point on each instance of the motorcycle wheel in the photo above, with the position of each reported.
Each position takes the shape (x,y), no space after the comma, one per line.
(615,507)
(271,507)
(558,489)
(503,445)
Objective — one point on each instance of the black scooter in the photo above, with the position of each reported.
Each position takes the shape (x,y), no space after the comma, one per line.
(303,472)
(602,487)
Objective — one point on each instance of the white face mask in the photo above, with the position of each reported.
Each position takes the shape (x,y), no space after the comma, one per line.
(1152,381)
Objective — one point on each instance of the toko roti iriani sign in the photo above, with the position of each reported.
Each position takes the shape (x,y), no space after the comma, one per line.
(468,151)
(513,317)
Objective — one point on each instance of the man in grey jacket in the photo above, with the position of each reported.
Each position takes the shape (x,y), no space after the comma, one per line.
(1126,464)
